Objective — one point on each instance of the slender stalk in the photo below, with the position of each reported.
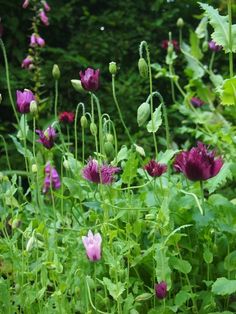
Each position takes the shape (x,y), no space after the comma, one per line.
(231,66)
(212,61)
(100,133)
(6,151)
(202,197)
(56,100)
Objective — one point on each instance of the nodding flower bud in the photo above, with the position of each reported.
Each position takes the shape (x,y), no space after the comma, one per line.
(143,68)
(56,72)
(143,113)
(112,68)
(93,128)
(180,22)
(33,107)
(205,46)
(83,122)
(77,86)
(110,137)
(66,164)
(109,149)
(34,168)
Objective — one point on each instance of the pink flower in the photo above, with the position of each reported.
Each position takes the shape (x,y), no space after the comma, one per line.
(92,244)
(198,164)
(36,40)
(196,102)
(213,46)
(161,290)
(90,79)
(26,63)
(155,169)
(47,137)
(165,44)
(46,6)
(99,173)
(25,4)
(67,117)
(52,179)
(43,17)
(23,100)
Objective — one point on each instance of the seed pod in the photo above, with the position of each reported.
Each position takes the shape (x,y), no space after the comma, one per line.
(84,122)
(56,72)
(112,67)
(93,128)
(143,68)
(143,113)
(180,22)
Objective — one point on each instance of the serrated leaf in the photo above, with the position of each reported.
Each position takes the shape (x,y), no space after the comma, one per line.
(221,28)
(122,154)
(181,265)
(228,92)
(195,50)
(215,182)
(115,290)
(224,286)
(165,157)
(25,152)
(130,170)
(201,30)
(163,271)
(154,125)
(193,64)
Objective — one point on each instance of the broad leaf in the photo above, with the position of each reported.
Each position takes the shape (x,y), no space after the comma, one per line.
(154,125)
(224,286)
(115,290)
(228,92)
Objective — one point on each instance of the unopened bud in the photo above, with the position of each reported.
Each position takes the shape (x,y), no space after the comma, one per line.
(30,244)
(33,107)
(109,149)
(83,122)
(143,113)
(66,164)
(110,137)
(180,22)
(34,168)
(204,46)
(170,49)
(112,67)
(93,128)
(77,86)
(143,68)
(56,72)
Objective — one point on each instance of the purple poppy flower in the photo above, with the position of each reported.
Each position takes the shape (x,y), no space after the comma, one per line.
(155,169)
(198,164)
(92,244)
(67,117)
(23,100)
(46,6)
(25,4)
(43,17)
(196,102)
(161,290)
(90,79)
(52,179)
(27,62)
(47,137)
(99,174)
(213,46)
(36,40)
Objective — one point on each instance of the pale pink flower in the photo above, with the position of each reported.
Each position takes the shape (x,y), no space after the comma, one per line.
(43,17)
(92,244)
(25,4)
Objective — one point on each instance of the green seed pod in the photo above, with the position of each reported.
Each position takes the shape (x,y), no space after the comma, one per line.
(56,72)
(83,122)
(77,86)
(109,137)
(112,68)
(109,149)
(93,128)
(143,113)
(180,22)
(143,68)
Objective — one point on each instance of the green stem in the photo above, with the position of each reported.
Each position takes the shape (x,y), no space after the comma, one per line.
(212,61)
(202,197)
(6,151)
(231,69)
(100,133)
(56,100)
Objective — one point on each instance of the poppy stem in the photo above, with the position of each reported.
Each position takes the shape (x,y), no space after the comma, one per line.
(202,197)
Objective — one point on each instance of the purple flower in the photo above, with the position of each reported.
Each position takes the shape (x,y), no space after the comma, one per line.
(198,163)
(196,102)
(27,62)
(36,40)
(51,179)
(92,244)
(47,137)
(46,6)
(43,17)
(25,4)
(23,100)
(99,174)
(90,79)
(155,169)
(67,117)
(213,46)
(161,290)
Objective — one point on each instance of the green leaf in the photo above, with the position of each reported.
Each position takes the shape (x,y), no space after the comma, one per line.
(75,188)
(154,125)
(25,152)
(195,50)
(181,265)
(207,255)
(230,261)
(24,127)
(163,271)
(228,92)
(182,297)
(221,28)
(165,157)
(143,297)
(193,64)
(215,182)
(224,286)
(122,154)
(115,290)
(201,30)
(130,170)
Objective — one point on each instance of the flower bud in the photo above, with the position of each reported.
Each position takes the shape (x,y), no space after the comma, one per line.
(34,168)
(109,149)
(66,164)
(84,122)
(170,49)
(143,113)
(93,128)
(205,46)
(33,107)
(110,137)
(112,68)
(180,22)
(143,68)
(139,150)
(30,244)
(77,86)
(56,72)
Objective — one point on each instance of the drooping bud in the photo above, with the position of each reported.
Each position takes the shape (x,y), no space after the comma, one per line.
(143,68)
(83,122)
(109,149)
(180,22)
(110,137)
(93,128)
(34,168)
(66,164)
(77,86)
(56,72)
(112,68)
(204,46)
(33,107)
(143,113)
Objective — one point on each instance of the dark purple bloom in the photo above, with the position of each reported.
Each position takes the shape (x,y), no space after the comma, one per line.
(43,17)
(67,117)
(213,46)
(23,100)
(90,79)
(196,102)
(161,290)
(26,63)
(155,169)
(51,180)
(47,137)
(92,244)
(36,40)
(198,164)
(165,44)
(99,173)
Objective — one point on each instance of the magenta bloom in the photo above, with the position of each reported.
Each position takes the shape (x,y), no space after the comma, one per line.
(67,117)
(99,174)
(23,100)
(213,46)
(25,4)
(196,102)
(90,79)
(46,6)
(36,40)
(43,17)
(26,63)
(47,137)
(198,164)
(92,244)
(165,44)
(155,169)
(52,179)
(161,290)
